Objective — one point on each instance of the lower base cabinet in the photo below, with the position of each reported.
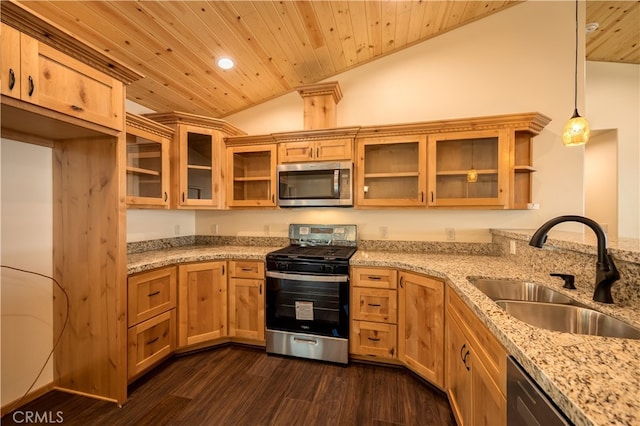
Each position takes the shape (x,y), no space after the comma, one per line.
(202,302)
(476,368)
(150,342)
(421,326)
(246,301)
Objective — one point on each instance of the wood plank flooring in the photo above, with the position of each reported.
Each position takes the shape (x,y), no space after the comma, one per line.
(245,386)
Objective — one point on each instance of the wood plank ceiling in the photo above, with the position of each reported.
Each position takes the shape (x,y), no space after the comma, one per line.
(279,45)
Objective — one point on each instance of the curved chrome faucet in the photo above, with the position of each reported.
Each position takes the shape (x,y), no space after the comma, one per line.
(606,271)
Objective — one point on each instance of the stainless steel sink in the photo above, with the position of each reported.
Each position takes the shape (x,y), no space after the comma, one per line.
(568,318)
(520,290)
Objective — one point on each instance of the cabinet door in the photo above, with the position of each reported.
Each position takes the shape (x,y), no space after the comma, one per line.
(391,171)
(147,169)
(252,176)
(246,308)
(198,162)
(202,302)
(294,152)
(56,81)
(488,403)
(469,169)
(10,74)
(421,326)
(459,379)
(334,149)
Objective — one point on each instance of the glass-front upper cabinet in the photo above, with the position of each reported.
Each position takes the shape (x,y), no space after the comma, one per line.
(252,176)
(148,145)
(469,169)
(391,171)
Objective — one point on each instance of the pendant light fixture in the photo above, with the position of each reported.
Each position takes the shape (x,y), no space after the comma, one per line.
(576,131)
(472,174)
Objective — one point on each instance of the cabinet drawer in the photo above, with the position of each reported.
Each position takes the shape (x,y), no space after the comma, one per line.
(372,338)
(246,269)
(372,304)
(374,277)
(486,347)
(151,341)
(151,293)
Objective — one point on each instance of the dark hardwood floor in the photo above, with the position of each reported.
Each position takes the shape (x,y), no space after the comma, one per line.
(245,386)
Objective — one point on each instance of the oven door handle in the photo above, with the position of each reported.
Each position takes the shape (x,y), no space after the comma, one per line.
(301,277)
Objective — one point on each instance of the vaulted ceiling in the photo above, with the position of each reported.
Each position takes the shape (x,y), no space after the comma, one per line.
(280,45)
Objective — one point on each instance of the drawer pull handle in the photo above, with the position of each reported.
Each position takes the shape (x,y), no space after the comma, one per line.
(152,341)
(12,79)
(155,293)
(375,305)
(374,339)
(247,269)
(77,108)
(374,278)
(32,86)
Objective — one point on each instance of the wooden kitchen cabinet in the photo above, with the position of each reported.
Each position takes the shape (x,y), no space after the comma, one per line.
(391,171)
(197,159)
(421,326)
(323,150)
(202,302)
(251,172)
(476,368)
(148,173)
(40,74)
(246,300)
(452,155)
(151,300)
(374,312)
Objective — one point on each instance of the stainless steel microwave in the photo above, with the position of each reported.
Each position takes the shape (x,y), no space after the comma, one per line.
(315,184)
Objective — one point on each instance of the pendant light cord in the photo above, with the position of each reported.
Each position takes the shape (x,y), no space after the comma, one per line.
(575,76)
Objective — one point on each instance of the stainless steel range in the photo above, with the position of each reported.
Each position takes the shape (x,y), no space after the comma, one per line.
(307,299)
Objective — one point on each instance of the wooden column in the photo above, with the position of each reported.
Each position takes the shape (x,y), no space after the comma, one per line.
(320,104)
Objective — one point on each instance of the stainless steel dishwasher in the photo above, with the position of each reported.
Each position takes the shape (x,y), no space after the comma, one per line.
(527,404)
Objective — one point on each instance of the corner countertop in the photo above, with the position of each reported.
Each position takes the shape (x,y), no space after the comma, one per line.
(594,380)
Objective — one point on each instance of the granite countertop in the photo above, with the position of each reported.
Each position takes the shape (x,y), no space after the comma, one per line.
(594,380)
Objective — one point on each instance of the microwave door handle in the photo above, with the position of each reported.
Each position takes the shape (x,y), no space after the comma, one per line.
(336,183)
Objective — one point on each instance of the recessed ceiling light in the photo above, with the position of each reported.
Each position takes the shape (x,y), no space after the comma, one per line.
(225,63)
(591,27)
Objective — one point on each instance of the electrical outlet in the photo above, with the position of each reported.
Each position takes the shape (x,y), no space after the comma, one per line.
(512,247)
(176,229)
(214,229)
(267,230)
(384,232)
(451,234)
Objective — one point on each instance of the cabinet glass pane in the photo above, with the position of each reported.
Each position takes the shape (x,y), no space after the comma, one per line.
(199,166)
(456,157)
(252,175)
(144,167)
(391,171)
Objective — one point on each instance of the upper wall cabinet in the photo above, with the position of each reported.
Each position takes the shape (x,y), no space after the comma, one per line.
(322,150)
(39,74)
(483,162)
(252,176)
(148,146)
(197,159)
(469,168)
(391,171)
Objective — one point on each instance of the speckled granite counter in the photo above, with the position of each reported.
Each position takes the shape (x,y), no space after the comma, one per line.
(594,380)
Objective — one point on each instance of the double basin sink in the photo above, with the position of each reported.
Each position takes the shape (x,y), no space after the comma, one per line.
(544,307)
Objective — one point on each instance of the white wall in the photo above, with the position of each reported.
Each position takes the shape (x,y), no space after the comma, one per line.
(26,243)
(613,102)
(505,63)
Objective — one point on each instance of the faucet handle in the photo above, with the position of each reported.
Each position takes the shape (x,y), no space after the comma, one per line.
(568,280)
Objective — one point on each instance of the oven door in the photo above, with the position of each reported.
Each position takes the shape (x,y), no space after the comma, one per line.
(312,304)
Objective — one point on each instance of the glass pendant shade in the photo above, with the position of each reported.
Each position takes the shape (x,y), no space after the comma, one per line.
(576,131)
(472,175)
